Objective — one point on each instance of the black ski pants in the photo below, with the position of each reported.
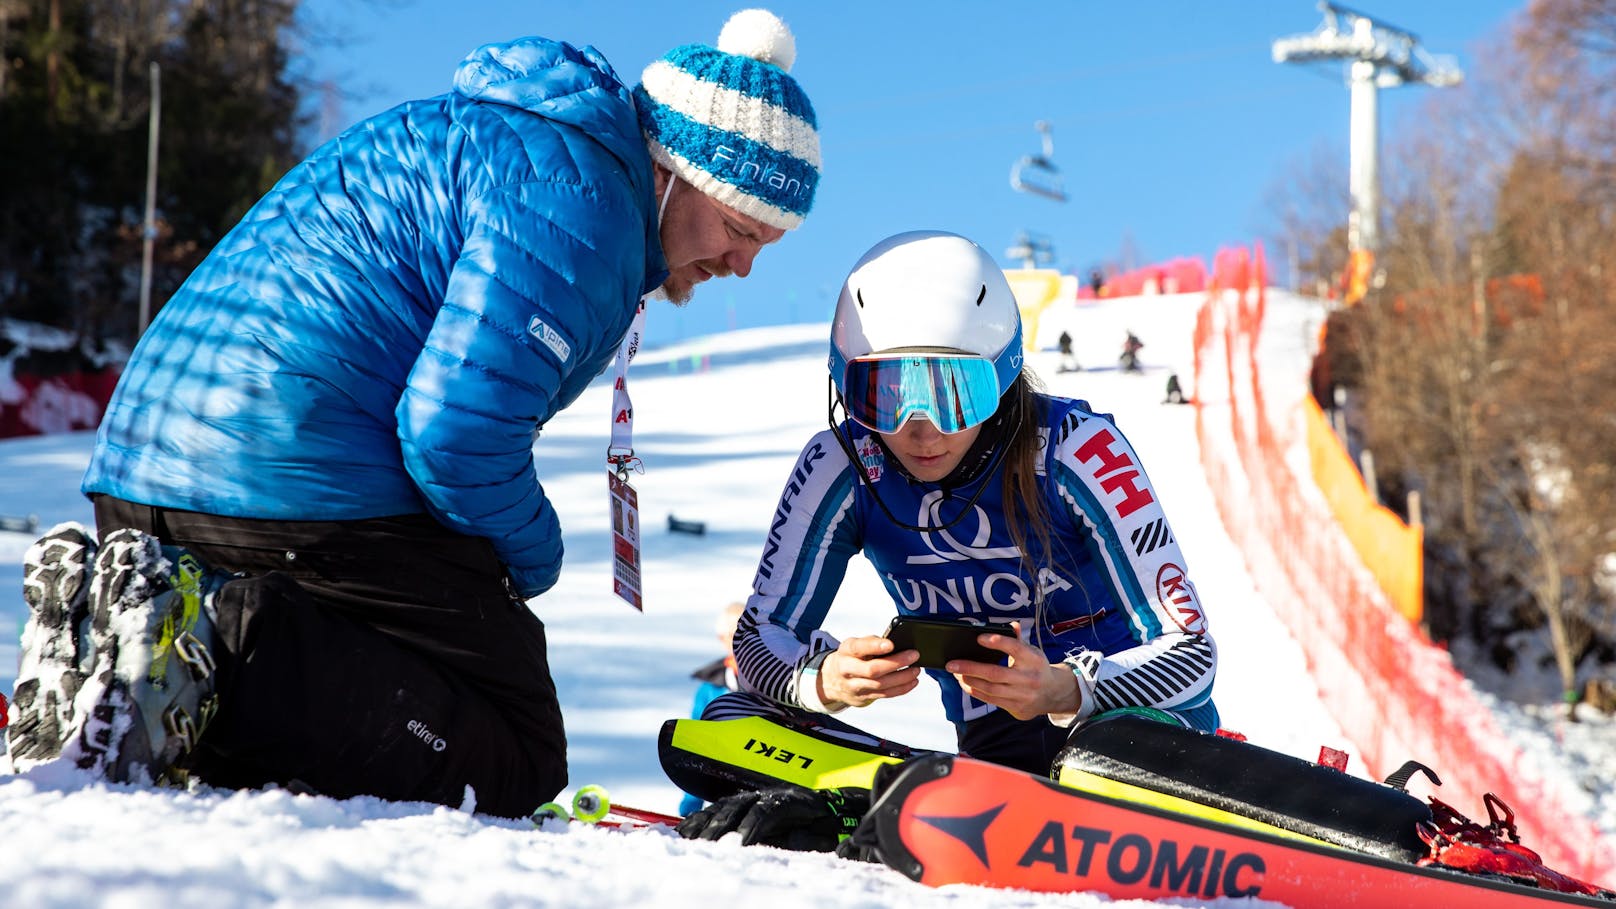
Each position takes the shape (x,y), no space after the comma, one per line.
(382,657)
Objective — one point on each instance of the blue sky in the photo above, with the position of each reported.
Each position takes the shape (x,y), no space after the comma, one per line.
(1171,122)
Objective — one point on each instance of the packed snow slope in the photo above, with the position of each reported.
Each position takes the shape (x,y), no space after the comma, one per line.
(719,422)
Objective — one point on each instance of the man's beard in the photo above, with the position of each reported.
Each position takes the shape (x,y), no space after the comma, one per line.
(677,293)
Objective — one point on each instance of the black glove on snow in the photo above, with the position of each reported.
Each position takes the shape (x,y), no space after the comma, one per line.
(803,820)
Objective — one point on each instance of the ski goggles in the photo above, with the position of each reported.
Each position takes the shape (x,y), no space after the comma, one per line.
(953,391)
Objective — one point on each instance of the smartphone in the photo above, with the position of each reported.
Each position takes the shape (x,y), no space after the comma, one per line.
(941,640)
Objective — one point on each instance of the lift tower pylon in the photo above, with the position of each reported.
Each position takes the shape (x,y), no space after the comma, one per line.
(1378,55)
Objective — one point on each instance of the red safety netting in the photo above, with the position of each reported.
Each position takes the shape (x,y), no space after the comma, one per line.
(1175,276)
(1395,695)
(65,402)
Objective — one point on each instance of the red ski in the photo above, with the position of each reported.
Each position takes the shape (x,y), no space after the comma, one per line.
(623,816)
(592,805)
(951,820)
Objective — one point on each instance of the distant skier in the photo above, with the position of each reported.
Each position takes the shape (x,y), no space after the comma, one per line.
(1175,392)
(1068,362)
(1097,282)
(973,495)
(335,417)
(1129,360)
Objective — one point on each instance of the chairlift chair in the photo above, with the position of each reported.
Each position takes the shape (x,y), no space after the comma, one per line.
(1037,174)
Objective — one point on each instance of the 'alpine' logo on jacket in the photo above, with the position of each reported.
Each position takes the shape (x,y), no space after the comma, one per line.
(551,338)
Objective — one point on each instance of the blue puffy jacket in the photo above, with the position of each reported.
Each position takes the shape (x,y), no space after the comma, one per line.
(387,329)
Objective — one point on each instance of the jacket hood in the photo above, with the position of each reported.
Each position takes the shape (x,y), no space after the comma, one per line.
(557,81)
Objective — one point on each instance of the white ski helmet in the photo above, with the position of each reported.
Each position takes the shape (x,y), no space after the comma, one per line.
(927,295)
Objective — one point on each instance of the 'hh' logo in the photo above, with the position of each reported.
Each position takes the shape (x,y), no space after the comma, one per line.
(1176,591)
(1115,471)
(550,338)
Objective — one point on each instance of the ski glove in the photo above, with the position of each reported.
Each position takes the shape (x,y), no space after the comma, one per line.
(802,820)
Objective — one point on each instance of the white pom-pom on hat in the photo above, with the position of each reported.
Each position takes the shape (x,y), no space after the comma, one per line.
(761,35)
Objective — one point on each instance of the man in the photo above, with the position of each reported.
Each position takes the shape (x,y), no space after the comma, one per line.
(314,488)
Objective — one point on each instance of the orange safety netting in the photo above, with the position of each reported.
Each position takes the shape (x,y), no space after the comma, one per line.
(1393,551)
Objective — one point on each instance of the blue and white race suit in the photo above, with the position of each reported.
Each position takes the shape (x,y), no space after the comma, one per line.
(1114,583)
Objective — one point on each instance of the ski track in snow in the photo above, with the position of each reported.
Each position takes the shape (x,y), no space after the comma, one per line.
(719,422)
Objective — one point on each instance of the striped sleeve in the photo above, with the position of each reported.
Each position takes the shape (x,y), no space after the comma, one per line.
(1172,672)
(811,539)
(1110,498)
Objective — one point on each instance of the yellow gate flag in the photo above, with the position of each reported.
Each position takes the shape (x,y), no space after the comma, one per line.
(1035,289)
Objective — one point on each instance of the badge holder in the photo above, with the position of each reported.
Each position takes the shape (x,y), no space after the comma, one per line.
(624,501)
(625,505)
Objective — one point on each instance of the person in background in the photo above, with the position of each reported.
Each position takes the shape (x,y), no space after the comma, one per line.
(1175,391)
(1068,362)
(715,679)
(1129,359)
(318,517)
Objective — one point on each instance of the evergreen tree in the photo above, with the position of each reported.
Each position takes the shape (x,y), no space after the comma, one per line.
(76,95)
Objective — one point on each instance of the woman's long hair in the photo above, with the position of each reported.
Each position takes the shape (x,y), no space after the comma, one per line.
(1025,512)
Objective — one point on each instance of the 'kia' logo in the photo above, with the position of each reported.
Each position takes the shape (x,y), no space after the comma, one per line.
(1175,592)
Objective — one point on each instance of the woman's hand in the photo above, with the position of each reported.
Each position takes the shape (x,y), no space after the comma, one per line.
(864,670)
(1030,686)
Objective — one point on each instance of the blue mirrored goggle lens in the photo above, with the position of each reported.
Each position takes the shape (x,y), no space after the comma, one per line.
(954,393)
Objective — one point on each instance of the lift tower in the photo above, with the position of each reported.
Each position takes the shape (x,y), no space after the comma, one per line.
(1378,55)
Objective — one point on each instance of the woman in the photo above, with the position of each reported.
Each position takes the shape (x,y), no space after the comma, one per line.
(977,498)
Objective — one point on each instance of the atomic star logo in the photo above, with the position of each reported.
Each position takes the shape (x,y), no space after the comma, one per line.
(971,831)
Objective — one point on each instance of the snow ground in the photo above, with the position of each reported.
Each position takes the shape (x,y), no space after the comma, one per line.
(719,422)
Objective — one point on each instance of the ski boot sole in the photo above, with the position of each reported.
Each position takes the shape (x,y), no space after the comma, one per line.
(56,581)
